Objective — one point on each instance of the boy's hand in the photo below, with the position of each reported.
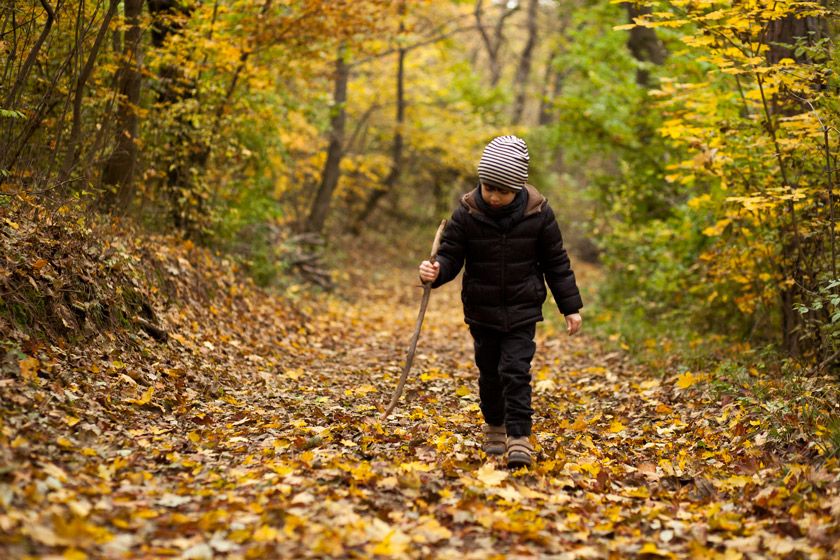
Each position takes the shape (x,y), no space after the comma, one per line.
(573,323)
(428,271)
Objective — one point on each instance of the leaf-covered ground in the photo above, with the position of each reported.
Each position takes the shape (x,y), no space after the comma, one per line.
(255,432)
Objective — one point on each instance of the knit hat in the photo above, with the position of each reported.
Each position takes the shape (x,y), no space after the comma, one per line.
(504,163)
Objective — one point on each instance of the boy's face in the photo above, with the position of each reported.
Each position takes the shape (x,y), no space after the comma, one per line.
(496,197)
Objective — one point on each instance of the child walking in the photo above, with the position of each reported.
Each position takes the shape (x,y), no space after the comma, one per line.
(506,233)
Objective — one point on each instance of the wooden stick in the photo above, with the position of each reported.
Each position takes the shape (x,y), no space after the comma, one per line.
(427,290)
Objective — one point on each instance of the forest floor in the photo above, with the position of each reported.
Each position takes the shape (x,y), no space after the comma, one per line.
(254,431)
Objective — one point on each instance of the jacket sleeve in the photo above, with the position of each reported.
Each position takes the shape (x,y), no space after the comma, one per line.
(452,248)
(555,265)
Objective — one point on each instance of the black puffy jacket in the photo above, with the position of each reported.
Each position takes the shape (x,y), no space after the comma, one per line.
(506,272)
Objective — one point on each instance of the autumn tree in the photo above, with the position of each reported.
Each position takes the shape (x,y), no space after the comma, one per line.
(119,170)
(329,177)
(523,70)
(752,204)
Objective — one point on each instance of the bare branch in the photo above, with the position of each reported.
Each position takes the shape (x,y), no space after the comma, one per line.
(30,59)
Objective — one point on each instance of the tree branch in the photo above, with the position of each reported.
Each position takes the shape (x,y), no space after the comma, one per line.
(409,48)
(30,59)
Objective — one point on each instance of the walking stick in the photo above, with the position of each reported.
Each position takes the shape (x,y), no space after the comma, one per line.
(427,290)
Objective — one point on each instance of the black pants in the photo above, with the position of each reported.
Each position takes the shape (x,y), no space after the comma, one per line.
(504,383)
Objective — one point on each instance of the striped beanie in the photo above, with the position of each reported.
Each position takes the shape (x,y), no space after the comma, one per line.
(504,163)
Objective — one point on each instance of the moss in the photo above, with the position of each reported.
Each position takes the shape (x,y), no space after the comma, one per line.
(125,322)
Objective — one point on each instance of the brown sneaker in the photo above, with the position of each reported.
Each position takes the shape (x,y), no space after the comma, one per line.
(519,450)
(494,439)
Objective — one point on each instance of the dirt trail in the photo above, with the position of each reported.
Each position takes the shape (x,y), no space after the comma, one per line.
(295,462)
(628,465)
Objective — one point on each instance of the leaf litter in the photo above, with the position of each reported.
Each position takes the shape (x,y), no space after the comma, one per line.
(253,431)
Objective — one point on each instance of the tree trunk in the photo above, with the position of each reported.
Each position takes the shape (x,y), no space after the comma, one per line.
(72,155)
(118,174)
(788,296)
(643,43)
(10,27)
(782,36)
(552,84)
(329,180)
(493,44)
(783,33)
(188,151)
(164,19)
(523,71)
(396,149)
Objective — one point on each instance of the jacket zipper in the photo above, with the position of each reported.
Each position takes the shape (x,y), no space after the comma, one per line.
(504,305)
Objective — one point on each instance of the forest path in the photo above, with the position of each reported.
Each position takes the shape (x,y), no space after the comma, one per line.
(628,464)
(296,462)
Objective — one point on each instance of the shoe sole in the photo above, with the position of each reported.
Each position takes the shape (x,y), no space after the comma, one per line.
(516,462)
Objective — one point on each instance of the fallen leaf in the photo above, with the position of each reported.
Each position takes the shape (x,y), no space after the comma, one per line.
(488,475)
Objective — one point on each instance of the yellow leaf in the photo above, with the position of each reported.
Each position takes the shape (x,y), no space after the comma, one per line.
(394,544)
(362,473)
(586,441)
(147,396)
(118,463)
(364,390)
(29,368)
(649,549)
(591,468)
(640,492)
(718,228)
(265,534)
(73,554)
(415,466)
(664,409)
(729,521)
(488,474)
(430,532)
(294,373)
(616,427)
(686,380)
(283,470)
(739,481)
(64,442)
(699,201)
(195,437)
(462,391)
(76,532)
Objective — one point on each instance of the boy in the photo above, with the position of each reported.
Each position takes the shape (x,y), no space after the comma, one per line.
(506,232)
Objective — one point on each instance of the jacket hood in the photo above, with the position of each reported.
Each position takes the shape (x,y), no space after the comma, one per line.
(535,201)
